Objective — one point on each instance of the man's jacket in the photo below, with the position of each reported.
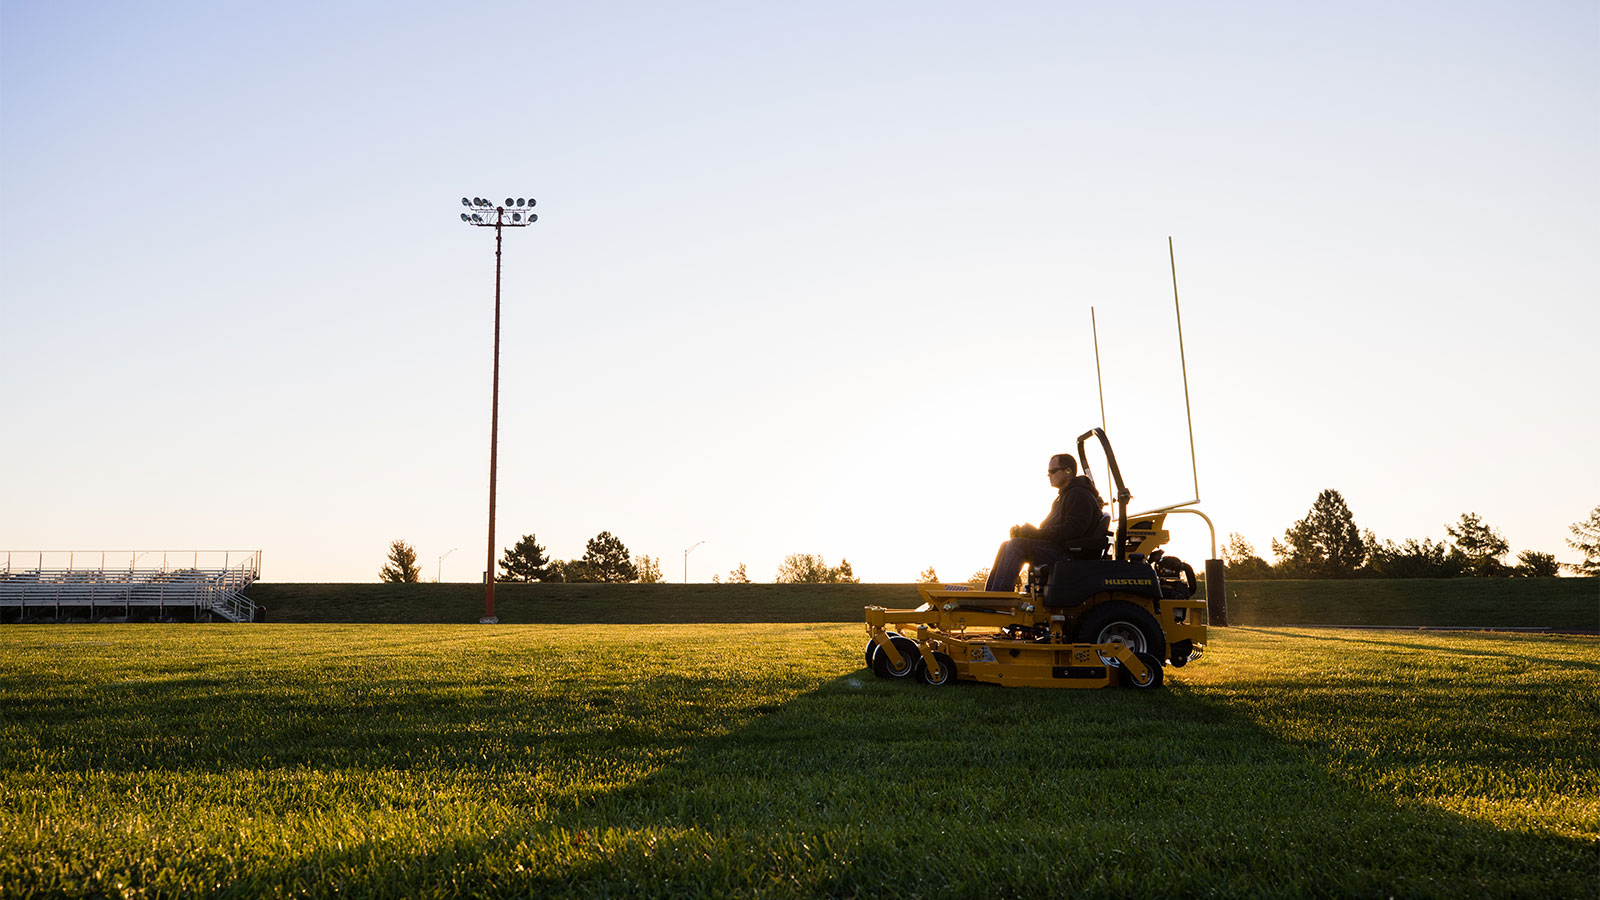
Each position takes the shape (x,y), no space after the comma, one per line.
(1075,515)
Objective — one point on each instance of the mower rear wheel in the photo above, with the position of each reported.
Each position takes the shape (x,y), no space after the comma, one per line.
(1152,676)
(1121,622)
(947,670)
(884,667)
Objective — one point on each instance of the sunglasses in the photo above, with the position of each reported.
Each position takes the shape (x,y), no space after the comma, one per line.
(1057,469)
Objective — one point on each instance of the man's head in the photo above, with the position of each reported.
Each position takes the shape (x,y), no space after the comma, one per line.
(1063,468)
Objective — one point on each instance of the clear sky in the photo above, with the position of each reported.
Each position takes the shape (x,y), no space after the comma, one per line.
(807,277)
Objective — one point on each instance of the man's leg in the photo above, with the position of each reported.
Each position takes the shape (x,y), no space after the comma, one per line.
(1013,553)
(1043,553)
(1007,566)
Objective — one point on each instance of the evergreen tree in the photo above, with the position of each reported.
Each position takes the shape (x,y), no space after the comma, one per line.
(526,561)
(1326,543)
(402,567)
(606,560)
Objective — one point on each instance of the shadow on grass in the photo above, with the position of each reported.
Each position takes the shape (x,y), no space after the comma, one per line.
(665,783)
(868,788)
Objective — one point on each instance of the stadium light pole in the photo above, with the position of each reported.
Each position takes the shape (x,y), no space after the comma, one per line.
(438,573)
(686,561)
(485,214)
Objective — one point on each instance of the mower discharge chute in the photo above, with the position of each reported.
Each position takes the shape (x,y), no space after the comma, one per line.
(1118,615)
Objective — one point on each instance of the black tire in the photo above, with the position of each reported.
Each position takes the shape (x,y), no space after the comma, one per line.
(947,670)
(883,667)
(872,647)
(1121,622)
(1152,677)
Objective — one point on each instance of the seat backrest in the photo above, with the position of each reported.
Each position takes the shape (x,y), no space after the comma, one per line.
(1094,544)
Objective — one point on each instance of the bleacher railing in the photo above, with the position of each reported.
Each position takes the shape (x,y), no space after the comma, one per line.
(207,580)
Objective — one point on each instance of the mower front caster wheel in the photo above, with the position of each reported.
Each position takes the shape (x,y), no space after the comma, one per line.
(872,646)
(884,667)
(947,670)
(1152,676)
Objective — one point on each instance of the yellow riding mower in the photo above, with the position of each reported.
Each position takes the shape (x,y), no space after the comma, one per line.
(1119,610)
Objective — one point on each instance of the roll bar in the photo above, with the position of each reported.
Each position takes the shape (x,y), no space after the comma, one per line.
(1122,496)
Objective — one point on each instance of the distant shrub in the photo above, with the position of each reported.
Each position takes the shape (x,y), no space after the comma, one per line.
(1414,559)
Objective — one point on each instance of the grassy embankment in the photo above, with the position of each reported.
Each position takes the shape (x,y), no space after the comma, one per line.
(762,760)
(1565,603)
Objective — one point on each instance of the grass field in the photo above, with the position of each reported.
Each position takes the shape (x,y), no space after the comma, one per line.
(1566,603)
(762,760)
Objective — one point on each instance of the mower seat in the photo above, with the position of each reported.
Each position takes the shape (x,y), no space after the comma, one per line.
(1094,544)
(1091,546)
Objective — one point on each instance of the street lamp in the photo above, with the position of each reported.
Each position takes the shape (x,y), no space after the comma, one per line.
(686,562)
(438,573)
(515,213)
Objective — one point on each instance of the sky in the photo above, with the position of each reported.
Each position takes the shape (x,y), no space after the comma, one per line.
(807,278)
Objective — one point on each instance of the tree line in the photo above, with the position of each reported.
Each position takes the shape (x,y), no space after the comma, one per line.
(1327,544)
(606,560)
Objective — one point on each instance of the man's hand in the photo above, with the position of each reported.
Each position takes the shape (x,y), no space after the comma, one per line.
(1024,531)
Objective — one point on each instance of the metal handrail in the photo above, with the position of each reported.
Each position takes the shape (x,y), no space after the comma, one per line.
(216,589)
(107,560)
(1184,507)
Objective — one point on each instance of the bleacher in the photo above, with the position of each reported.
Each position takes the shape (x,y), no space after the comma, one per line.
(75,586)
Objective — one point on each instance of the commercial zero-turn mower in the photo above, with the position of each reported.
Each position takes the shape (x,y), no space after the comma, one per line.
(1118,611)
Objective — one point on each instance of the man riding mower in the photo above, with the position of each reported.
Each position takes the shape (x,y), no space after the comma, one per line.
(1097,606)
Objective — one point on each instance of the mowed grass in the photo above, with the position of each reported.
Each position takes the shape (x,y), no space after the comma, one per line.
(763,760)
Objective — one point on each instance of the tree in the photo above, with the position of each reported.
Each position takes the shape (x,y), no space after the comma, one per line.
(809,568)
(1414,559)
(979,578)
(802,568)
(606,559)
(1587,533)
(402,567)
(571,571)
(843,574)
(649,569)
(525,562)
(1242,561)
(1326,543)
(1533,564)
(1481,545)
(928,576)
(736,575)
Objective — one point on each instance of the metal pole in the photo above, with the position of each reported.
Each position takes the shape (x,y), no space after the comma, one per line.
(494,425)
(686,561)
(1097,380)
(1192,466)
